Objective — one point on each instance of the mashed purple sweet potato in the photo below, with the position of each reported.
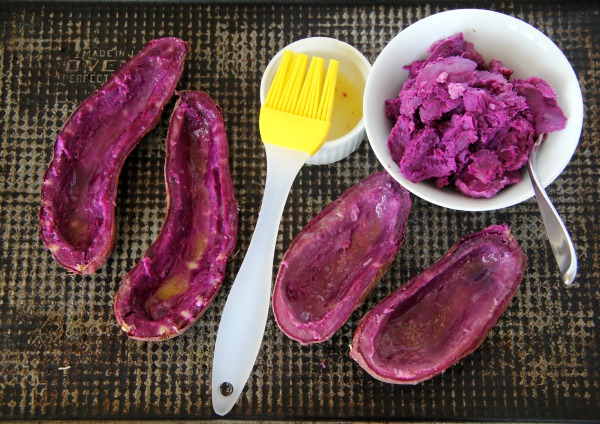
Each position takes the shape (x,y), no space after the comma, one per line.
(459,120)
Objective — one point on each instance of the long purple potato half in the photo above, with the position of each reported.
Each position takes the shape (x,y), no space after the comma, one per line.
(77,214)
(442,314)
(180,274)
(336,260)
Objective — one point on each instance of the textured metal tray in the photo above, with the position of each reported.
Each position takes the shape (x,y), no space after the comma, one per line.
(62,355)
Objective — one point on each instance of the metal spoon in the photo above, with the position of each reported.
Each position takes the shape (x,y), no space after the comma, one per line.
(559,238)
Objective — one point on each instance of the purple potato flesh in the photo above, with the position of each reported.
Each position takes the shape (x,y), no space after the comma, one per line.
(442,314)
(180,274)
(336,260)
(461,121)
(77,214)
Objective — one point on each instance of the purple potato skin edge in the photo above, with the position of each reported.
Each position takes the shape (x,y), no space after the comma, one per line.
(376,192)
(182,271)
(363,349)
(79,188)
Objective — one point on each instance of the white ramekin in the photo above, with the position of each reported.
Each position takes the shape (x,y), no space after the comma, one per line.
(354,65)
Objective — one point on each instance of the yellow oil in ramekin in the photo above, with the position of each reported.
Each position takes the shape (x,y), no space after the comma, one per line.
(347,106)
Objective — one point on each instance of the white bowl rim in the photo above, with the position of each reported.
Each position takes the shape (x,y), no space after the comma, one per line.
(450,198)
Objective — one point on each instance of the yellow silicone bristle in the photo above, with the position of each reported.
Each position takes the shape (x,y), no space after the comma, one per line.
(315,99)
(297,111)
(278,84)
(295,79)
(326,104)
(311,90)
(295,92)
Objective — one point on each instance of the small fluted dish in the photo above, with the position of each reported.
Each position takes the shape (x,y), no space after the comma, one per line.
(354,67)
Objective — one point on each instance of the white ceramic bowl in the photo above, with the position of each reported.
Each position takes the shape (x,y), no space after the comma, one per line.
(517,45)
(354,65)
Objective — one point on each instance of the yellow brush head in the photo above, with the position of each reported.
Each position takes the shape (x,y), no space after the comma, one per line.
(297,111)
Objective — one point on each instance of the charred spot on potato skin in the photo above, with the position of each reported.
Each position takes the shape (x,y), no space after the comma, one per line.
(444,313)
(80,185)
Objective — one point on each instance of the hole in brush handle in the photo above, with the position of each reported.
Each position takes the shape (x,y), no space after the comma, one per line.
(226,389)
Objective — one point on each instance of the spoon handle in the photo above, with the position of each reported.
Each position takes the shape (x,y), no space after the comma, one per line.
(560,241)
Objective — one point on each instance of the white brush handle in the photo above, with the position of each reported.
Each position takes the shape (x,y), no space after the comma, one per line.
(244,317)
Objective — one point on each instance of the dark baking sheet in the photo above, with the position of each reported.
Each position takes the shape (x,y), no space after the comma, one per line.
(62,354)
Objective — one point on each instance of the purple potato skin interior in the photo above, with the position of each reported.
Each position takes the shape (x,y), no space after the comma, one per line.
(180,274)
(79,188)
(443,314)
(335,261)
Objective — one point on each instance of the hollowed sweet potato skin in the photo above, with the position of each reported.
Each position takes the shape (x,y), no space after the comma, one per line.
(180,274)
(442,314)
(79,188)
(336,260)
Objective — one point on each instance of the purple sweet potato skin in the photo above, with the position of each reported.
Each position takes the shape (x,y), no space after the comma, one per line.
(77,214)
(336,260)
(180,274)
(442,314)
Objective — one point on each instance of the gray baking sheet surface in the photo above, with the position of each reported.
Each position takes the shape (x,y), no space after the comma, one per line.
(62,354)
